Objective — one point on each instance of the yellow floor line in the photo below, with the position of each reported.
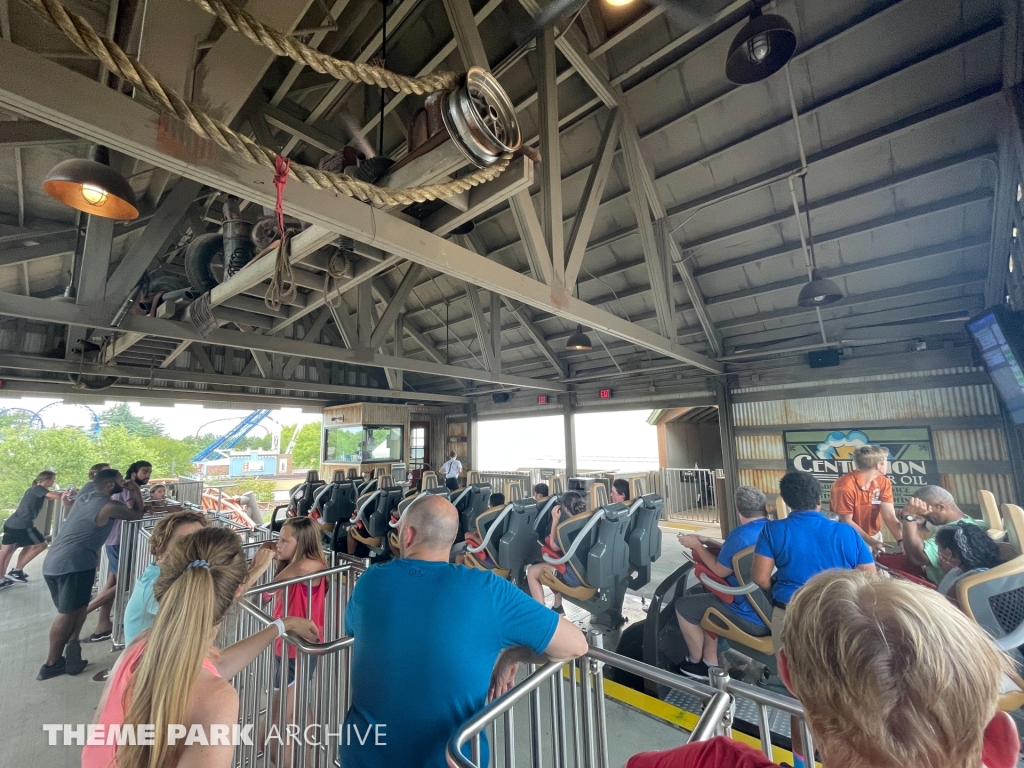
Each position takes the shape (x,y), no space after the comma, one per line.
(679,717)
(685,526)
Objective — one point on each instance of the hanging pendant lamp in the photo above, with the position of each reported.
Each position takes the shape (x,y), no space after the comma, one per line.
(760,49)
(819,292)
(578,341)
(93,187)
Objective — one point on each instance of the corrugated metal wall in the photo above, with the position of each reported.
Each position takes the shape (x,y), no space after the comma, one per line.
(980,453)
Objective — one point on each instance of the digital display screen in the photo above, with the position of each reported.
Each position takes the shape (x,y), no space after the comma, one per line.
(997,336)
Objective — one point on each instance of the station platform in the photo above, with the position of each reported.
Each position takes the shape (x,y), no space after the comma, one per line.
(26,613)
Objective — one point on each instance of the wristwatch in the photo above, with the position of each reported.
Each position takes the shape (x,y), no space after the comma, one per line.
(910,518)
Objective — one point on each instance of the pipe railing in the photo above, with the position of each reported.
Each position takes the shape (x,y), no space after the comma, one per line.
(577,731)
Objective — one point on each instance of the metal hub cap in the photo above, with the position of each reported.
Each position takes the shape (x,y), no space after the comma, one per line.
(481,119)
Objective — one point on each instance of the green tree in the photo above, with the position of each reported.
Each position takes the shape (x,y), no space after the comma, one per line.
(121,415)
(24,453)
(121,447)
(306,453)
(169,457)
(264,488)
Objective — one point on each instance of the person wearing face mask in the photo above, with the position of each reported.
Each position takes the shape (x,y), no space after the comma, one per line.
(70,565)
(930,508)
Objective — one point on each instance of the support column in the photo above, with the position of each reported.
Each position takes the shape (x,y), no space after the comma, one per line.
(92,279)
(729,465)
(570,441)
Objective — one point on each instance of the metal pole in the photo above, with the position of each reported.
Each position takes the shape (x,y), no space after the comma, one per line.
(570,441)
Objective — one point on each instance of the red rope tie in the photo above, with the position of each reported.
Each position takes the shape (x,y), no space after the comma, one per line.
(281,167)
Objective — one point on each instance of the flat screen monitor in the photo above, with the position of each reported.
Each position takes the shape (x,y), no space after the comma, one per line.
(999,336)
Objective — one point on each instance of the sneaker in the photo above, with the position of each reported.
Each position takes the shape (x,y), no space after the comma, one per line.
(97,637)
(697,670)
(18,575)
(46,672)
(5,582)
(73,661)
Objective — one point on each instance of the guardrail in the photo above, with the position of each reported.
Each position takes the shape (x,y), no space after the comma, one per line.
(498,481)
(690,495)
(187,491)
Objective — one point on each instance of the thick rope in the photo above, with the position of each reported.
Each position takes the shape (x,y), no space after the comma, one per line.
(276,293)
(281,44)
(82,34)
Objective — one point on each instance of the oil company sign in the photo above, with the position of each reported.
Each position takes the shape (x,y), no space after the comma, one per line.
(827,454)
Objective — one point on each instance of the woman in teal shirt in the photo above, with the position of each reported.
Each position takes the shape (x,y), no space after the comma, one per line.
(140,612)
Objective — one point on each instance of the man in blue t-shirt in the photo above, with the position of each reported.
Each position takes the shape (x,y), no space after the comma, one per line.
(433,642)
(803,545)
(717,557)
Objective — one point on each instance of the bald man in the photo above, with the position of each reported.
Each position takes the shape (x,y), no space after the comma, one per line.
(433,643)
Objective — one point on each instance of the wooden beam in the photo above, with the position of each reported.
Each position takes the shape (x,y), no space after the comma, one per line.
(22,133)
(551,168)
(517,177)
(532,235)
(471,47)
(586,216)
(482,335)
(495,321)
(41,90)
(396,305)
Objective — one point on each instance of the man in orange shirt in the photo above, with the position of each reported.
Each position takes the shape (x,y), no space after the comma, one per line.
(863,498)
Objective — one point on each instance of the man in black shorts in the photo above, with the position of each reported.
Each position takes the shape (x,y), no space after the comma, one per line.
(70,566)
(20,531)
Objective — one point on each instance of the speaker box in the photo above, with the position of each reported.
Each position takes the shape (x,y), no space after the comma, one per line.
(502,397)
(823,358)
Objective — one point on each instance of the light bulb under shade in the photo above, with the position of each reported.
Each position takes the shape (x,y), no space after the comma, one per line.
(619,3)
(819,292)
(578,341)
(760,49)
(92,188)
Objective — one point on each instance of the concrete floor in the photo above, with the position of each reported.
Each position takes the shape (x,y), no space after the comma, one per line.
(26,613)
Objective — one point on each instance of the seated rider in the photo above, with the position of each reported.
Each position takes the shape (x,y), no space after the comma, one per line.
(620,491)
(473,537)
(963,549)
(890,676)
(717,557)
(541,491)
(931,507)
(569,504)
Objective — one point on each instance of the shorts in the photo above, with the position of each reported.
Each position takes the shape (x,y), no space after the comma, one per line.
(71,591)
(23,537)
(451,483)
(113,555)
(693,606)
(569,578)
(310,668)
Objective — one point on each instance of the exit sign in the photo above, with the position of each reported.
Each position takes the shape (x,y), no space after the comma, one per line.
(604,394)
(542,399)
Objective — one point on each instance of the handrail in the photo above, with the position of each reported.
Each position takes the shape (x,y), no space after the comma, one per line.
(490,530)
(314,649)
(273,586)
(717,586)
(597,517)
(716,711)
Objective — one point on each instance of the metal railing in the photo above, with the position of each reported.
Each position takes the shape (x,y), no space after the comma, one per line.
(134,557)
(577,734)
(498,481)
(764,700)
(187,491)
(690,495)
(294,732)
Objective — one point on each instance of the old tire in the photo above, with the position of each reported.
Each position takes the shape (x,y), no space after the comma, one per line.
(199,257)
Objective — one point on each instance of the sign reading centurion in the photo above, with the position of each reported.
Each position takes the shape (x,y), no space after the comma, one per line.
(827,454)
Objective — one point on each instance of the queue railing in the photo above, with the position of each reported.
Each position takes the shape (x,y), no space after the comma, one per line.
(134,556)
(295,734)
(576,735)
(690,495)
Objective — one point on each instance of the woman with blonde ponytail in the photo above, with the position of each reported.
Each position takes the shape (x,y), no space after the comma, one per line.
(172,678)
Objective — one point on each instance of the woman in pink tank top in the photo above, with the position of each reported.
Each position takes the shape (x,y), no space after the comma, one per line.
(299,553)
(172,678)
